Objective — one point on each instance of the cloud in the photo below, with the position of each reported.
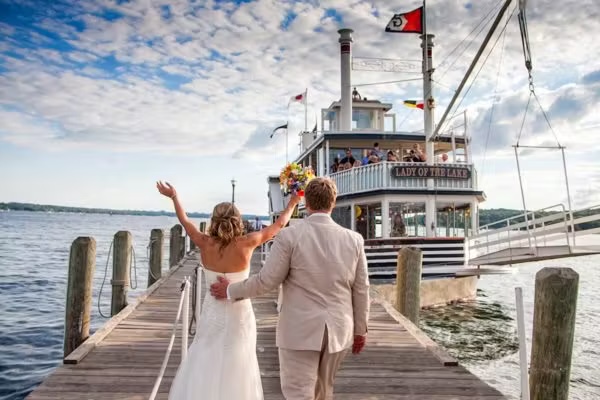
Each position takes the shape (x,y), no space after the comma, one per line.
(214,77)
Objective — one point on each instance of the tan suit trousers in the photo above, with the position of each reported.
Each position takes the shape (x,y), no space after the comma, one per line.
(307,374)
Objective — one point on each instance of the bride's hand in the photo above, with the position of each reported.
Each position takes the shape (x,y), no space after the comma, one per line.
(166,189)
(295,199)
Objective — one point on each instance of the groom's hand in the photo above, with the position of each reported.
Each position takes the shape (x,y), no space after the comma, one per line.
(359,343)
(219,288)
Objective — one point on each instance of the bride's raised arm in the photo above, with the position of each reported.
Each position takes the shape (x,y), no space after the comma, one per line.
(166,189)
(255,239)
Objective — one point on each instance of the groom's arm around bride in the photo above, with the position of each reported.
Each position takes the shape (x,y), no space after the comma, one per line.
(323,271)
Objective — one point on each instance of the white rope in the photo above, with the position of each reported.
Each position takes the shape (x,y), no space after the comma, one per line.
(170,348)
(104,280)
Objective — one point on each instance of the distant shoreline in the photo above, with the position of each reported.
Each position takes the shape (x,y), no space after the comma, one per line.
(14,206)
(486,216)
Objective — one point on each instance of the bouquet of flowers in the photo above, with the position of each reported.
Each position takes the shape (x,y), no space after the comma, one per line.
(293,179)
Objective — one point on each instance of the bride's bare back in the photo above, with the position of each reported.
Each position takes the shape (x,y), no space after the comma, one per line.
(233,258)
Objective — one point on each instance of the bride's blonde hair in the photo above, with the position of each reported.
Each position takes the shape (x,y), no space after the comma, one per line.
(225,224)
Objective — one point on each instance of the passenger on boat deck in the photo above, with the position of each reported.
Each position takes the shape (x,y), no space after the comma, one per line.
(378,152)
(343,167)
(349,158)
(365,159)
(416,154)
(391,156)
(335,165)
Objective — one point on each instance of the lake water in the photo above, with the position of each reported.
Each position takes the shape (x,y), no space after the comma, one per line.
(34,252)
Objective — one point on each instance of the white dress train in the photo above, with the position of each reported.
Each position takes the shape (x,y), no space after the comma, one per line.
(221,363)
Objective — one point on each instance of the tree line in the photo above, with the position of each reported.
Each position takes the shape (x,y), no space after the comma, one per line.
(486,216)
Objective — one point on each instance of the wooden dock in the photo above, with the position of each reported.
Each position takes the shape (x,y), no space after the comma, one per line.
(122,360)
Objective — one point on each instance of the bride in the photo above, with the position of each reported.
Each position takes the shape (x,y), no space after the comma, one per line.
(221,363)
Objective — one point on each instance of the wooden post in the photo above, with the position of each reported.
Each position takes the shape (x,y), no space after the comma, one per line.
(408,283)
(553,331)
(82,264)
(157,238)
(192,244)
(182,246)
(120,278)
(203,226)
(175,245)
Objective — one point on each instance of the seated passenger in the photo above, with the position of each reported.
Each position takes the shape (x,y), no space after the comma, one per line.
(416,154)
(335,165)
(349,157)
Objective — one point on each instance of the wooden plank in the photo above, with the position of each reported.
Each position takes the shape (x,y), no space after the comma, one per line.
(418,334)
(80,352)
(399,362)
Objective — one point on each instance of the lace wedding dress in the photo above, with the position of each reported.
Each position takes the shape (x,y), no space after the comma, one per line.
(221,363)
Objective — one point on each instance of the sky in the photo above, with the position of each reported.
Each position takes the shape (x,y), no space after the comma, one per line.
(100,99)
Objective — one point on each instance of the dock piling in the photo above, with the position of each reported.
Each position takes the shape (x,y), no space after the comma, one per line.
(408,283)
(553,331)
(157,238)
(175,245)
(121,264)
(82,264)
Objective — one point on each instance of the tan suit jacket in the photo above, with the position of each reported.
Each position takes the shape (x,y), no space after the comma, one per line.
(323,271)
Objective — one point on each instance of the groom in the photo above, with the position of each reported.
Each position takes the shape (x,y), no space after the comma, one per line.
(323,269)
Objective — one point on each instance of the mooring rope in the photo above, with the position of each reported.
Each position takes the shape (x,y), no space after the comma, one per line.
(133,263)
(104,280)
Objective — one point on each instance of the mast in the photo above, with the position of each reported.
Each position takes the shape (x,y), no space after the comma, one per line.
(473,63)
(306,110)
(428,119)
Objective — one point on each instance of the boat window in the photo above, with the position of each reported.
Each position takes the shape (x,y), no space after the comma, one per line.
(363,119)
(454,220)
(368,220)
(342,216)
(329,120)
(407,219)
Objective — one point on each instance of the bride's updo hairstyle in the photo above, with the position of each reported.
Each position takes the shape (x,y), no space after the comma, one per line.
(225,224)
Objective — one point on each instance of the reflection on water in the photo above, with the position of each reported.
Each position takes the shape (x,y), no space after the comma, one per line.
(472,331)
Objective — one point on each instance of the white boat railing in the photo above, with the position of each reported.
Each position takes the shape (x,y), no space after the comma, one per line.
(384,175)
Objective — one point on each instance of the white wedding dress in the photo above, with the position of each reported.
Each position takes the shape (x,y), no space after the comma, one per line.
(221,363)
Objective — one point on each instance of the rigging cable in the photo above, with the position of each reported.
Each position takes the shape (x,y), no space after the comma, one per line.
(529,66)
(486,17)
(484,62)
(487,138)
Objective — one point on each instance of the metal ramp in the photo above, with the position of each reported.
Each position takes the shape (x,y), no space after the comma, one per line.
(550,233)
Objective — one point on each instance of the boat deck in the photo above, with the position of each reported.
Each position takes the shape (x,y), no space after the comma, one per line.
(122,360)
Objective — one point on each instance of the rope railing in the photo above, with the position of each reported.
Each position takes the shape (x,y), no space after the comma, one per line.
(184,303)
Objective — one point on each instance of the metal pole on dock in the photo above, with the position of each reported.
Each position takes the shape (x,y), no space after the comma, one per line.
(82,264)
(522,344)
(185,320)
(408,283)
(553,331)
(120,278)
(174,245)
(157,238)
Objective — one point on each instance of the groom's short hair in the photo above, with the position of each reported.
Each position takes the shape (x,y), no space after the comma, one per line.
(320,194)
